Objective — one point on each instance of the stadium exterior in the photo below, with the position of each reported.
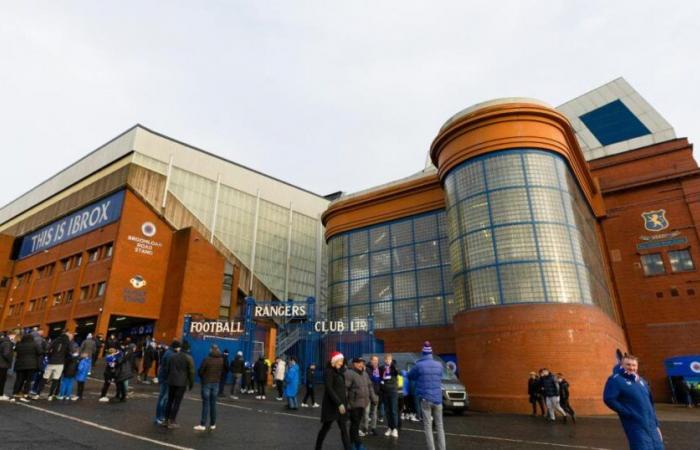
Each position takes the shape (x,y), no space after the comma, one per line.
(534,237)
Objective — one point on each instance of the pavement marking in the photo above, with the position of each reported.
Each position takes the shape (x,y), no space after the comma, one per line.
(102,427)
(469,436)
(520,441)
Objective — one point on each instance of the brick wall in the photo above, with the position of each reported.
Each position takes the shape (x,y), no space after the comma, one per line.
(497,347)
(658,324)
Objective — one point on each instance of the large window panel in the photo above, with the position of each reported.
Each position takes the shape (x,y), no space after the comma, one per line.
(478,247)
(425,228)
(431,310)
(429,282)
(562,282)
(470,182)
(510,206)
(383,314)
(515,243)
(504,170)
(522,283)
(380,262)
(403,258)
(474,214)
(482,288)
(404,285)
(359,266)
(554,242)
(401,233)
(359,242)
(406,313)
(359,291)
(381,289)
(427,254)
(379,238)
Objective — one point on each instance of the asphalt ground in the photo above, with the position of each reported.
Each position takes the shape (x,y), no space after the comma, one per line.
(257,424)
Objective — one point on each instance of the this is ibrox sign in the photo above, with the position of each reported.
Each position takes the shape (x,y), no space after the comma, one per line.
(83,221)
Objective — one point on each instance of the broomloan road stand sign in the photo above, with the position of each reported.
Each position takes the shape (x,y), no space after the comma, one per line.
(85,220)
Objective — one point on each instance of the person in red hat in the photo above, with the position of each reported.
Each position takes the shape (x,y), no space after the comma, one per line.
(334,405)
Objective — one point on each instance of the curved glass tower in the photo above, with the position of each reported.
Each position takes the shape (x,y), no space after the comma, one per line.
(520,231)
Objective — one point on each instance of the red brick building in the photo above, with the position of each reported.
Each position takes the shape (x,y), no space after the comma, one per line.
(655,272)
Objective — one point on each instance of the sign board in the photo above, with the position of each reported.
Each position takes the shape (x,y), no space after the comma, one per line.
(268,311)
(682,240)
(218,328)
(85,220)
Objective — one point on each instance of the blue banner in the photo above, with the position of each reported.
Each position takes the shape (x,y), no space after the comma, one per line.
(683,366)
(83,221)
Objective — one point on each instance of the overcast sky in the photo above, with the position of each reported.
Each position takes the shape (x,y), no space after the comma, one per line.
(327,95)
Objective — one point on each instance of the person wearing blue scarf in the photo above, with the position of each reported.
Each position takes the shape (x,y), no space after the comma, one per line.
(629,396)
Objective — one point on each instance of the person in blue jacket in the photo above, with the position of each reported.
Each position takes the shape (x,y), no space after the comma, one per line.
(84,367)
(291,380)
(629,396)
(427,377)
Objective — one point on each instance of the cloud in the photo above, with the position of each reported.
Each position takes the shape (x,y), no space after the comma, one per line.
(329,96)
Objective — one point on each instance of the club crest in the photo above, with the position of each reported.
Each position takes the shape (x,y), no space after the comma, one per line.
(655,220)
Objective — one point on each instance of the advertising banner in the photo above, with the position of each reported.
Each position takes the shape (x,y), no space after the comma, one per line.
(85,220)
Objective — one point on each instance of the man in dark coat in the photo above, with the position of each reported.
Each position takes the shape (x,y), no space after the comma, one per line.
(550,391)
(334,405)
(99,345)
(534,393)
(180,378)
(26,363)
(124,373)
(112,342)
(162,375)
(58,352)
(629,396)
(564,396)
(370,420)
(260,372)
(7,344)
(237,369)
(149,356)
(210,375)
(224,373)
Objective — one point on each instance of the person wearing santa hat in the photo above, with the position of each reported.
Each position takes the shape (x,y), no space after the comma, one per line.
(334,405)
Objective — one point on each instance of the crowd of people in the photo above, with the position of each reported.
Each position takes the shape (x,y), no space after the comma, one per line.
(357,396)
(63,364)
(363,393)
(551,393)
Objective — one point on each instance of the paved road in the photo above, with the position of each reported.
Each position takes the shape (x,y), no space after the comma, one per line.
(249,423)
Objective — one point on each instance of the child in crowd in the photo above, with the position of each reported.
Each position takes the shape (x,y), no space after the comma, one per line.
(111,362)
(84,368)
(69,371)
(248,379)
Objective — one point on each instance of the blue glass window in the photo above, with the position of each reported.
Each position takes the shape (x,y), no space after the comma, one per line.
(613,123)
(398,272)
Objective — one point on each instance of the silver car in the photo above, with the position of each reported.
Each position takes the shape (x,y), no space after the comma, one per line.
(454,394)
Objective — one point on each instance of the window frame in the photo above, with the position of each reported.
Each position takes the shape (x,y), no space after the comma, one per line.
(679,251)
(661,259)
